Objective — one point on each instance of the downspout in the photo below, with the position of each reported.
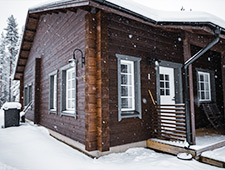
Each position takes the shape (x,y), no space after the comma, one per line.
(186,93)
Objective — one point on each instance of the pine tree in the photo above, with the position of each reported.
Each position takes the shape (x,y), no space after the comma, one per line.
(4,71)
(12,45)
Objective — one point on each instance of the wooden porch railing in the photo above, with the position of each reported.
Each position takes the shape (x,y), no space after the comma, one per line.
(168,122)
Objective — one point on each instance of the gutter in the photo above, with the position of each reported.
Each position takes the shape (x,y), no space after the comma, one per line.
(186,92)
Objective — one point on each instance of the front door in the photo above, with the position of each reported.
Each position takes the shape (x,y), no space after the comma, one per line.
(167,90)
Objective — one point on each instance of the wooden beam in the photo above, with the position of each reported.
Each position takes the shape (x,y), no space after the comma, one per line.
(21,91)
(29,41)
(21,65)
(33,17)
(23,58)
(20,72)
(90,83)
(187,55)
(174,150)
(223,78)
(31,30)
(103,133)
(37,90)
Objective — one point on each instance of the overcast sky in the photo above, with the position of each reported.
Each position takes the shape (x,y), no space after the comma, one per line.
(19,8)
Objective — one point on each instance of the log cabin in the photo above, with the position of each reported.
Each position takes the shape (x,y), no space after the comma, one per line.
(87,67)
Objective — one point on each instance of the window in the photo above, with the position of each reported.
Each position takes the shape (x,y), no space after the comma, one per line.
(27,94)
(53,92)
(129,87)
(68,91)
(164,85)
(204,86)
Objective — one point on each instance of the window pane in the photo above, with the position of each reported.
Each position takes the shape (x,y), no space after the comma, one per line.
(207,95)
(162,92)
(202,86)
(206,78)
(124,103)
(161,77)
(130,94)
(167,85)
(207,86)
(162,84)
(123,68)
(129,102)
(166,77)
(167,92)
(202,95)
(201,77)
(124,79)
(72,104)
(124,91)
(73,84)
(73,94)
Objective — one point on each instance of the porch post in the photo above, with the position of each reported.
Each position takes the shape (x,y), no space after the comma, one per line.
(21,92)
(187,55)
(37,90)
(223,77)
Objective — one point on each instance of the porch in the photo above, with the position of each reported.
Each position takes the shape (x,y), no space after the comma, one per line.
(169,134)
(204,144)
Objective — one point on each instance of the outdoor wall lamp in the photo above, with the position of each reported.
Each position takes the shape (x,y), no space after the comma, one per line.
(73,60)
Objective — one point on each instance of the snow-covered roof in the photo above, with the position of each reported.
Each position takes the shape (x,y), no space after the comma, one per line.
(169,16)
(154,15)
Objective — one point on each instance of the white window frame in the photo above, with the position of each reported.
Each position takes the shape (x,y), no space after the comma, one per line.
(136,110)
(54,106)
(204,74)
(65,109)
(53,92)
(131,64)
(70,89)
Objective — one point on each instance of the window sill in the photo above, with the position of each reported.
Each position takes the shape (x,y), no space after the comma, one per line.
(68,113)
(129,114)
(53,111)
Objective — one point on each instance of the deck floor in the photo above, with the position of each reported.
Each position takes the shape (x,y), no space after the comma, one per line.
(203,143)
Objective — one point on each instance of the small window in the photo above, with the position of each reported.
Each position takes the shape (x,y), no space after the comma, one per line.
(164,85)
(53,92)
(25,98)
(70,89)
(68,97)
(204,86)
(129,87)
(27,94)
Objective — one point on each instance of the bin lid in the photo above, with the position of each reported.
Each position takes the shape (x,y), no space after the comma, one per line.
(11,105)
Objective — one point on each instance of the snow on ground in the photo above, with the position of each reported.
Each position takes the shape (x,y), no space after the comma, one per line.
(30,147)
(217,154)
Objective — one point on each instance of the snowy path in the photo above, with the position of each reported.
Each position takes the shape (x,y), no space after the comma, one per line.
(29,147)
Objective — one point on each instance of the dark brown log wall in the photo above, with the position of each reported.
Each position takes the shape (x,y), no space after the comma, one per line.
(56,38)
(131,38)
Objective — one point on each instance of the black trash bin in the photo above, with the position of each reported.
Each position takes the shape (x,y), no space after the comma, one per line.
(11,114)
